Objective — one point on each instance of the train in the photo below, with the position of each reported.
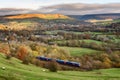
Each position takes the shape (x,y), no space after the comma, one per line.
(62,62)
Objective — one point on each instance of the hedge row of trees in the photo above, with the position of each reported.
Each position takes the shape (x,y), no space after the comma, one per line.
(69,36)
(91,45)
(100,61)
(28,52)
(88,62)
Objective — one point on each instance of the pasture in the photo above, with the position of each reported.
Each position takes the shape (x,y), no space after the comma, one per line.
(74,32)
(75,51)
(85,40)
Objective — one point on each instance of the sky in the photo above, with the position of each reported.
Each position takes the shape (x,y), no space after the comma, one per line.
(34,4)
(66,7)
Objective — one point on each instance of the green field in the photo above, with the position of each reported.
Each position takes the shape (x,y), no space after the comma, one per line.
(53,32)
(108,22)
(117,40)
(56,31)
(75,51)
(90,41)
(14,70)
(85,40)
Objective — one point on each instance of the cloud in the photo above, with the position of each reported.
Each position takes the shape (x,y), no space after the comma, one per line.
(80,9)
(11,11)
(68,9)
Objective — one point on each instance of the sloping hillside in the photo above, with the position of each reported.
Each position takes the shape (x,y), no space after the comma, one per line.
(96,16)
(13,70)
(2,27)
(42,16)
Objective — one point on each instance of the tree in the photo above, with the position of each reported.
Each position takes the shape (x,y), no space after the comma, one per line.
(23,51)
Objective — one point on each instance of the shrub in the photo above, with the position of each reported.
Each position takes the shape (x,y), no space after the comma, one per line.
(22,51)
(106,65)
(53,66)
(36,62)
(4,48)
(117,65)
(25,61)
(28,58)
(8,56)
(97,64)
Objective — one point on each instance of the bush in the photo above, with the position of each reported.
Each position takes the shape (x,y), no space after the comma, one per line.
(28,58)
(97,64)
(106,65)
(23,51)
(4,48)
(25,61)
(53,66)
(36,62)
(8,56)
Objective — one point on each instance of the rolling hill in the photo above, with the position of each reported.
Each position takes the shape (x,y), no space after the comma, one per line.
(96,16)
(29,21)
(41,16)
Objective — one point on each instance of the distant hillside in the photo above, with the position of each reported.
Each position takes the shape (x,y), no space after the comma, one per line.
(2,27)
(42,16)
(96,16)
(32,21)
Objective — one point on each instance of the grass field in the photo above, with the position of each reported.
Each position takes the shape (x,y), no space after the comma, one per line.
(56,31)
(74,51)
(89,41)
(117,40)
(16,71)
(53,32)
(109,22)
(85,40)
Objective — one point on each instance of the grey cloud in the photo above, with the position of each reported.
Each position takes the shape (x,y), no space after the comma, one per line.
(11,11)
(79,9)
(68,9)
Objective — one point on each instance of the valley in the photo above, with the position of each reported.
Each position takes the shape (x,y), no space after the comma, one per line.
(60,40)
(23,37)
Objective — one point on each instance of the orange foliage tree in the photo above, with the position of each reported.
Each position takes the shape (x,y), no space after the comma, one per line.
(22,52)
